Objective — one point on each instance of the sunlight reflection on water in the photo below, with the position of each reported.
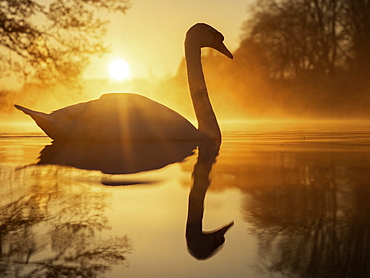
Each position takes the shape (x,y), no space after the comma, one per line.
(297,191)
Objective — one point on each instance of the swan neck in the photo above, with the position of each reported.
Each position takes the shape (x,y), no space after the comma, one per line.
(207,121)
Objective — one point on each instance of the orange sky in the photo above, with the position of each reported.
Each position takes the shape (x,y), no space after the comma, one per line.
(150,35)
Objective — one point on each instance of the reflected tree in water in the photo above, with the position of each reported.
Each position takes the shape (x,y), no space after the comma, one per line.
(52,227)
(315,223)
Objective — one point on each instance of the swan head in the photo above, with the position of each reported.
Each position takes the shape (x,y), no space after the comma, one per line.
(203,35)
(204,245)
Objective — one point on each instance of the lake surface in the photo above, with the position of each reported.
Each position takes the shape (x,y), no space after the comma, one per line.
(297,194)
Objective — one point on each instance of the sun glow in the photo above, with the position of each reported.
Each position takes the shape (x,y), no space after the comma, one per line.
(119,69)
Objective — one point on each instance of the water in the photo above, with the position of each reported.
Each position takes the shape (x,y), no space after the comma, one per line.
(297,192)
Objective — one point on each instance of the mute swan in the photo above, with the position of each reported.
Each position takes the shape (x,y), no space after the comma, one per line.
(126,116)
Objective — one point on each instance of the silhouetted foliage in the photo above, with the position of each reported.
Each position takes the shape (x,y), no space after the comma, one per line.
(306,58)
(53,40)
(357,26)
(306,35)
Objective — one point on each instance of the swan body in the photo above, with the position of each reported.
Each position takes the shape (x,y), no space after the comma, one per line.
(115,116)
(126,116)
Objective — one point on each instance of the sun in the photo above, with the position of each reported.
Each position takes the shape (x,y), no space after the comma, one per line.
(119,69)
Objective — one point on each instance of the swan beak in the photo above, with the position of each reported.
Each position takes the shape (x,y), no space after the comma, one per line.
(223,49)
(225,228)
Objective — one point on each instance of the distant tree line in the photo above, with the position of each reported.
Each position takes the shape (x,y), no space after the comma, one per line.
(308,57)
(321,36)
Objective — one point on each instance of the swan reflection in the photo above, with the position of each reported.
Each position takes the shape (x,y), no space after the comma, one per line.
(134,157)
(117,157)
(202,245)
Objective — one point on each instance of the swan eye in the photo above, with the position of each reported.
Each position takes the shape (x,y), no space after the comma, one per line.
(217,37)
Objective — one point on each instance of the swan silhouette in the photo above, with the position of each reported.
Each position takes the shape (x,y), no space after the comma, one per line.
(127,116)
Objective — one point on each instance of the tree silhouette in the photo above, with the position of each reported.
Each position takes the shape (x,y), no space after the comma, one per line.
(301,58)
(53,41)
(357,26)
(298,36)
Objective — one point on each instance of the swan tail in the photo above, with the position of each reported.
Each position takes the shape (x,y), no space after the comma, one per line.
(42,120)
(34,114)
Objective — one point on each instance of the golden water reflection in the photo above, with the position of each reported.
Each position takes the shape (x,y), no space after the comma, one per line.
(310,212)
(298,198)
(51,226)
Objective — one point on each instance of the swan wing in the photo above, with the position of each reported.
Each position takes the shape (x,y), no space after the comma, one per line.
(119,116)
